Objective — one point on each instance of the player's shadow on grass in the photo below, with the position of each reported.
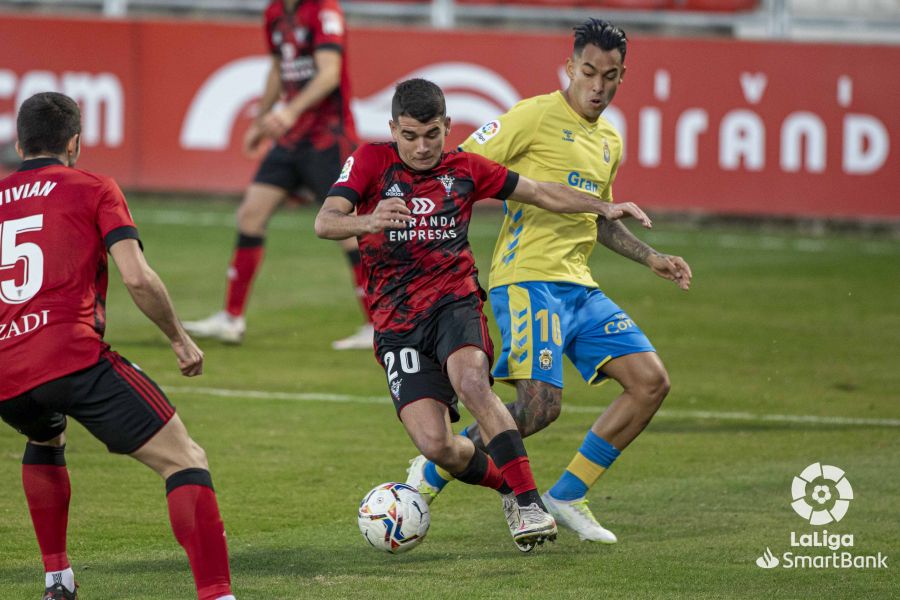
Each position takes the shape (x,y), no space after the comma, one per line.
(311,562)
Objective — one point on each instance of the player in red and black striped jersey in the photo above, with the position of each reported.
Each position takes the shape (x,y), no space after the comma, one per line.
(313,132)
(409,203)
(57,224)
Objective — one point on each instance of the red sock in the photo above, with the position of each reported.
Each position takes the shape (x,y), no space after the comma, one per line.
(244,263)
(198,527)
(508,452)
(47,490)
(359,281)
(518,476)
(493,478)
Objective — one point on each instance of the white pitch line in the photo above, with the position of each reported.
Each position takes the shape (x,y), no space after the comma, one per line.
(665,413)
(731,241)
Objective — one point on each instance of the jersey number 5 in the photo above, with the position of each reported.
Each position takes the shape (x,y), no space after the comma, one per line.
(11,254)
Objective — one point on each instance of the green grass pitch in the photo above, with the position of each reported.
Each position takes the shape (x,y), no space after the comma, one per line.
(782,342)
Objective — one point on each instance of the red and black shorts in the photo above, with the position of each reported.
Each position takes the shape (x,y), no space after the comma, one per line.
(416,361)
(114,400)
(304,166)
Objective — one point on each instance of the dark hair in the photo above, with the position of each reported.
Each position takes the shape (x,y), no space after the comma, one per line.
(420,99)
(46,123)
(602,34)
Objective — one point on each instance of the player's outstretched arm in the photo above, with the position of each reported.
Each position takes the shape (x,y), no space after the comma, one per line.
(150,295)
(560,198)
(615,236)
(335,221)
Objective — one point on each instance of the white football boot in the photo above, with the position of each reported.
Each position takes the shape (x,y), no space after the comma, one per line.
(575,515)
(511,512)
(362,339)
(416,479)
(535,526)
(220,326)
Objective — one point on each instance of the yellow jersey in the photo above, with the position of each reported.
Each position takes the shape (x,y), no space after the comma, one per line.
(544,139)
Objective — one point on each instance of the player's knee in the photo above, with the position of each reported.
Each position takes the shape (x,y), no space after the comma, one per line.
(537,406)
(654,388)
(473,390)
(251,220)
(549,414)
(196,456)
(438,450)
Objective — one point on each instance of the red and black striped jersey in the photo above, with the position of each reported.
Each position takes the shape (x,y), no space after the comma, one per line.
(56,224)
(293,36)
(416,269)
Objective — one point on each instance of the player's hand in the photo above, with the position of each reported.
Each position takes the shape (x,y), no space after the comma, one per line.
(252,139)
(673,268)
(390,213)
(277,122)
(626,209)
(190,357)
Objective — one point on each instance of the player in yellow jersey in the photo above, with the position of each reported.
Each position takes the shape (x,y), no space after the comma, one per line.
(542,292)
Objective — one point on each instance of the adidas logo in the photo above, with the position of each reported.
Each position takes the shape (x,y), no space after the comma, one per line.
(394,191)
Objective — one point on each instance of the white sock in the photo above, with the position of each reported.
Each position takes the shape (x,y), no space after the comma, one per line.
(228,597)
(65,577)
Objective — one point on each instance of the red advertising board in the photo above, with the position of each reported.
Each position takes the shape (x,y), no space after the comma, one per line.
(719,126)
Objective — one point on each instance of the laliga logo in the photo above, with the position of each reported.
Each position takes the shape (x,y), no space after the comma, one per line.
(827,489)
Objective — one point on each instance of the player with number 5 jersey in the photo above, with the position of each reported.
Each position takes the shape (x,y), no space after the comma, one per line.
(409,203)
(57,224)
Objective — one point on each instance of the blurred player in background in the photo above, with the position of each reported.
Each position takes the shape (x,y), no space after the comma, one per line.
(56,225)
(413,203)
(314,134)
(543,295)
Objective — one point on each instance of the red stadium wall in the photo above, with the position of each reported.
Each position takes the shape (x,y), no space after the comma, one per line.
(727,127)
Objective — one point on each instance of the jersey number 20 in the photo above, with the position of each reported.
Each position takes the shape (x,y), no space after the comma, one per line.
(409,362)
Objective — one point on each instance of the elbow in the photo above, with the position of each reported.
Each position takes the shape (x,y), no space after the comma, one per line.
(138,281)
(322,229)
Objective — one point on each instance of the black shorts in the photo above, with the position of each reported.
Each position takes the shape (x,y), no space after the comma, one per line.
(302,167)
(416,361)
(114,400)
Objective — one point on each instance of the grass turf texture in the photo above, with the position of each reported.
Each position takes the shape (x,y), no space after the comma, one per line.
(777,323)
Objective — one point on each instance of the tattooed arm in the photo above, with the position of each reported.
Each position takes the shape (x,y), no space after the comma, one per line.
(615,236)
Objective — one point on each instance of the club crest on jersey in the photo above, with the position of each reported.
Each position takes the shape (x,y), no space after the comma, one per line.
(288,52)
(545,359)
(345,171)
(568,135)
(300,34)
(606,151)
(447,182)
(395,388)
(486,132)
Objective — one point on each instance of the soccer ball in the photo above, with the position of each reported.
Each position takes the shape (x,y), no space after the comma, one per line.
(393,517)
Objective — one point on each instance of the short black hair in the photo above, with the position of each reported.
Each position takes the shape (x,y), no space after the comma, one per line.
(46,123)
(602,34)
(420,99)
